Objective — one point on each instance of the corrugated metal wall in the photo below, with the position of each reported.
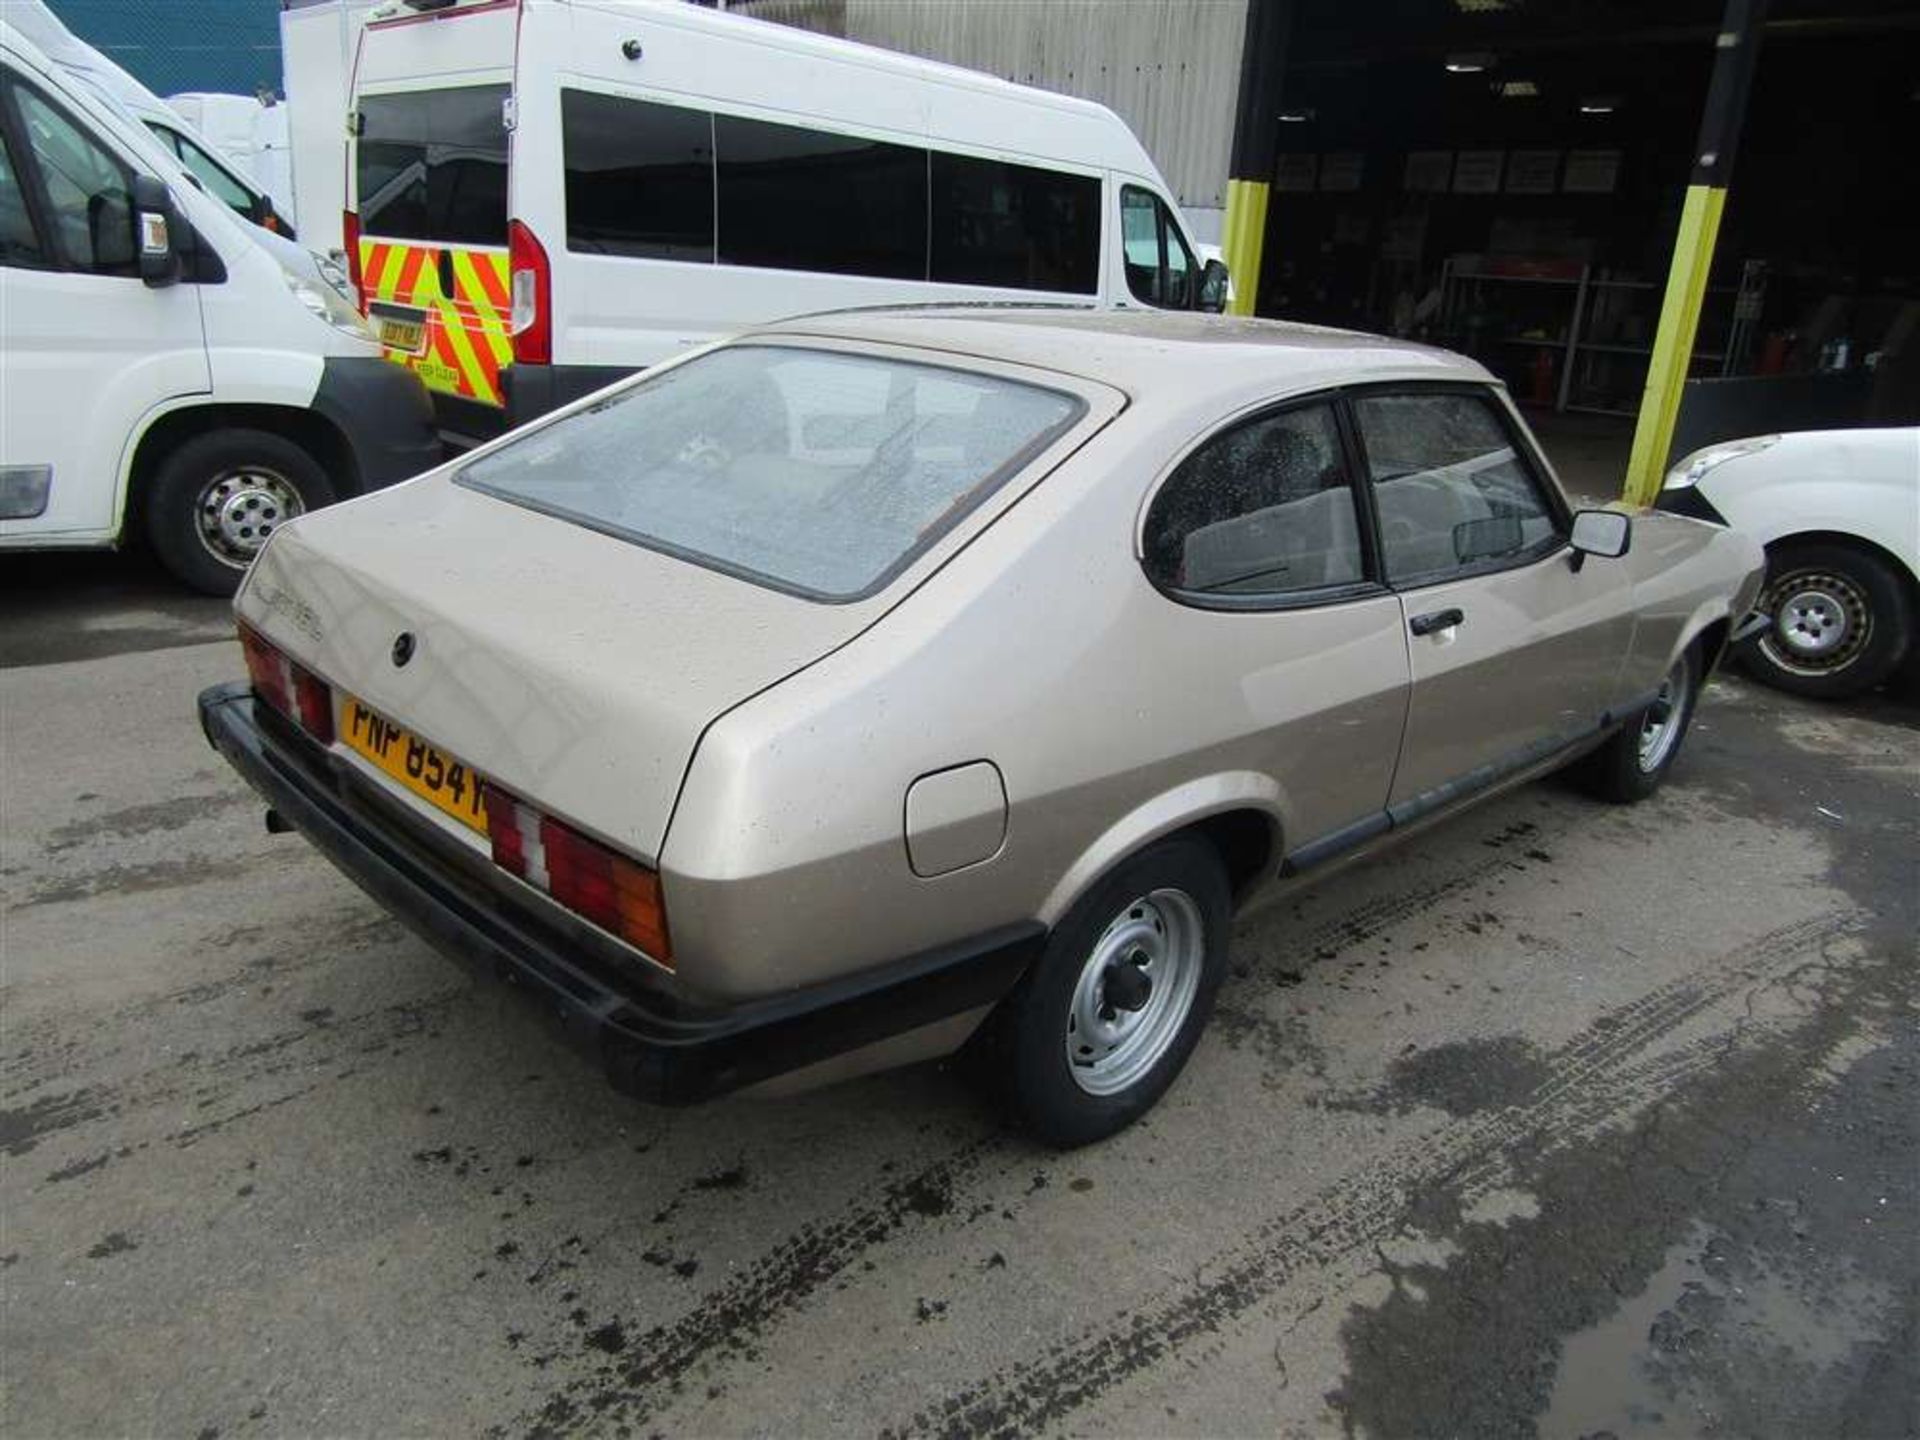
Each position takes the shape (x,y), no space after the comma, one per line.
(1170,68)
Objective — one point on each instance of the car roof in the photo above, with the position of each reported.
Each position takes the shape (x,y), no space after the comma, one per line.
(1144,352)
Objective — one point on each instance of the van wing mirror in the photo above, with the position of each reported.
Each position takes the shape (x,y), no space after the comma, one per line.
(156,231)
(1606,533)
(1214,286)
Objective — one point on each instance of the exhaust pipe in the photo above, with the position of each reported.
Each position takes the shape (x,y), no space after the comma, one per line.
(277,824)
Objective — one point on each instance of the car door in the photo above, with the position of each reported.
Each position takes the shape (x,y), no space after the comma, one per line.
(1514,646)
(1289,648)
(86,348)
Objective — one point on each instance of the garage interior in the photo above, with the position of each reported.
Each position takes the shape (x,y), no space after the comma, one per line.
(1506,179)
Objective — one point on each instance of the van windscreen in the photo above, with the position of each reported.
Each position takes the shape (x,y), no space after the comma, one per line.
(432,165)
(821,473)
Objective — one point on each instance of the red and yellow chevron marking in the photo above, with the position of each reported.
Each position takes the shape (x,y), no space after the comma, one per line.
(468,343)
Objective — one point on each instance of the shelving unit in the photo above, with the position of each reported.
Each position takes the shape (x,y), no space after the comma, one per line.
(1592,324)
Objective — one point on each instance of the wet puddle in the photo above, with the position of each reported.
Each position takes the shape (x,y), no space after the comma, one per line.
(1662,1364)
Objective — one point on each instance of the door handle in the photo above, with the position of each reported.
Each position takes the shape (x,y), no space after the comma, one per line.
(1435,620)
(444,265)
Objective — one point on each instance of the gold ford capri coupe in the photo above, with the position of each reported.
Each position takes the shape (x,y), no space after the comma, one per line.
(879,683)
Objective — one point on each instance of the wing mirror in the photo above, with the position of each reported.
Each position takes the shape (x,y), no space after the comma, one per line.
(156,231)
(1214,286)
(1606,533)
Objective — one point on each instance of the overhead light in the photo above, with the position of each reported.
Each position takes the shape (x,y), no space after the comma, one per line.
(1516,89)
(1480,7)
(1599,104)
(1295,117)
(1469,62)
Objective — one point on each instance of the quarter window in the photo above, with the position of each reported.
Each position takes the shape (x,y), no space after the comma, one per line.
(797,199)
(1161,270)
(1452,492)
(1017,226)
(89,193)
(639,178)
(432,165)
(1263,509)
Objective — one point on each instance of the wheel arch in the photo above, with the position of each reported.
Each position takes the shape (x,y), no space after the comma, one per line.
(1852,540)
(1240,814)
(313,432)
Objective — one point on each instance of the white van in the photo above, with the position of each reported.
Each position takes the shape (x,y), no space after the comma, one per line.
(166,367)
(233,186)
(544,195)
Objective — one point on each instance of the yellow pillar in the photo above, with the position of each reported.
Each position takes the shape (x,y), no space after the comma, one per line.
(1673,342)
(1242,240)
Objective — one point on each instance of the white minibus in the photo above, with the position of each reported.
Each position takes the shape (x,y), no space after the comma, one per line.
(545,195)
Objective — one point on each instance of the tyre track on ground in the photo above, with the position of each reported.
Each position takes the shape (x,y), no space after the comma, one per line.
(207,1081)
(730,1320)
(1594,1080)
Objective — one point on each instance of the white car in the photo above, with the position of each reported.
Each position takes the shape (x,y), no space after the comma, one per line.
(1839,514)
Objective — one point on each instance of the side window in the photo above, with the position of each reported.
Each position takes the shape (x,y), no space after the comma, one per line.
(166,137)
(20,245)
(639,178)
(1452,492)
(210,173)
(1161,270)
(796,199)
(1265,508)
(997,223)
(89,193)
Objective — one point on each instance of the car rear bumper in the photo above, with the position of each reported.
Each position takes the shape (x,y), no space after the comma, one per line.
(652,1044)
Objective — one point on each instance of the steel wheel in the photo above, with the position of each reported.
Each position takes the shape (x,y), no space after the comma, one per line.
(239,508)
(1134,991)
(1822,621)
(1665,718)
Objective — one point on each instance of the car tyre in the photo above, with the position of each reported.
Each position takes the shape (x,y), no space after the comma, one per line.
(1637,757)
(1842,621)
(1095,1033)
(217,497)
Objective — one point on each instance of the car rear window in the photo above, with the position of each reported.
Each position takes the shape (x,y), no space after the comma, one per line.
(432,165)
(822,473)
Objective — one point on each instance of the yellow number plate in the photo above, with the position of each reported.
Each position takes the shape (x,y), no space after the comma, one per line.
(433,775)
(409,336)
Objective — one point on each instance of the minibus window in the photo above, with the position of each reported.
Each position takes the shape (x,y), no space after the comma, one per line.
(432,165)
(1018,226)
(797,199)
(639,178)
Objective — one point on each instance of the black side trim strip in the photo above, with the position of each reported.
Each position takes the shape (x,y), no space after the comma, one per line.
(1479,778)
(1334,842)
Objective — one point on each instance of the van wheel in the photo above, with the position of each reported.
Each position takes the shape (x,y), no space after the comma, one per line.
(1631,765)
(218,497)
(1840,618)
(1099,1028)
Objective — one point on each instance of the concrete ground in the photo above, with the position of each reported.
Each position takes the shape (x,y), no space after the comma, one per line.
(1560,1119)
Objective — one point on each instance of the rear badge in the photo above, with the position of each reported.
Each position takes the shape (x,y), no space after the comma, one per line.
(403,647)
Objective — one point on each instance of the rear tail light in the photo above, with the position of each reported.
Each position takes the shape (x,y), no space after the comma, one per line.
(290,688)
(350,238)
(531,291)
(597,883)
